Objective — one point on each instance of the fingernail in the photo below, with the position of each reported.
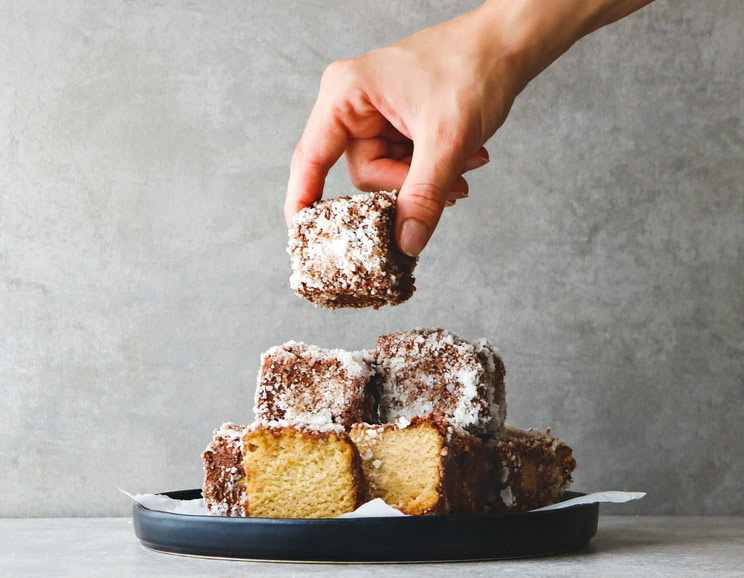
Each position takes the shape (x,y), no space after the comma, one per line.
(475,163)
(449,203)
(455,195)
(413,237)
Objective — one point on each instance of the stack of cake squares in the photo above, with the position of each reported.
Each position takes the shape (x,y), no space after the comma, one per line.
(418,420)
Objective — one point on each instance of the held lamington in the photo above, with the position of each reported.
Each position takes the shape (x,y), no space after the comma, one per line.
(300,472)
(343,254)
(224,477)
(530,470)
(305,384)
(432,371)
(425,467)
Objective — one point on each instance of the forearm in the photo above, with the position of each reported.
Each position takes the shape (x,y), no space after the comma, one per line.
(536,32)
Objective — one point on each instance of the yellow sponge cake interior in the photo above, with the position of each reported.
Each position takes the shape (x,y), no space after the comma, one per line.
(300,473)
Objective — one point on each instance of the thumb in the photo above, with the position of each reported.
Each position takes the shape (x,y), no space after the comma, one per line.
(423,196)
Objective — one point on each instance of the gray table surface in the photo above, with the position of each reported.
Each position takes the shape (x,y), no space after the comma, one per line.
(624,546)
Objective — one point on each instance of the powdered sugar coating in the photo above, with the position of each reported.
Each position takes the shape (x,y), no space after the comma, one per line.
(306,385)
(342,253)
(432,371)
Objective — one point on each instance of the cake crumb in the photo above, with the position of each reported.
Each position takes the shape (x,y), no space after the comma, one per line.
(506,496)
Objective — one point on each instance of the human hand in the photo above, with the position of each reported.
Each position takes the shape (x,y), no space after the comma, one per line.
(439,90)
(414,116)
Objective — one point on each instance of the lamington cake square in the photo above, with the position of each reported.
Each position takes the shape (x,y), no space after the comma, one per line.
(305,384)
(531,470)
(343,253)
(300,472)
(224,478)
(424,467)
(432,371)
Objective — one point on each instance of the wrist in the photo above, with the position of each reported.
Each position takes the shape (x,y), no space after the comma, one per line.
(534,33)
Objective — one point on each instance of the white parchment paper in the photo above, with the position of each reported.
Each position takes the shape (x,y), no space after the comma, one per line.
(610,496)
(376,508)
(165,504)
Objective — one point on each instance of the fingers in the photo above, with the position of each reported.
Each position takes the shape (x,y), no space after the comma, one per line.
(459,190)
(455,196)
(392,134)
(479,159)
(375,164)
(321,145)
(434,170)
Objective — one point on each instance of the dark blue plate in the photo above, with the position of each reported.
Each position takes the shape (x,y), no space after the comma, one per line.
(399,539)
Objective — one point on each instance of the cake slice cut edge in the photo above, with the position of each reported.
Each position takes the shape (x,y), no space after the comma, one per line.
(300,472)
(423,466)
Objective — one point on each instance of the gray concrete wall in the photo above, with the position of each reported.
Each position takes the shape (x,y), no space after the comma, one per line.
(144,151)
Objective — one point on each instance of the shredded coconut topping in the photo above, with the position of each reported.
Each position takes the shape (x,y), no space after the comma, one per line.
(342,253)
(432,371)
(366,453)
(318,426)
(305,384)
(517,449)
(230,431)
(223,472)
(402,422)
